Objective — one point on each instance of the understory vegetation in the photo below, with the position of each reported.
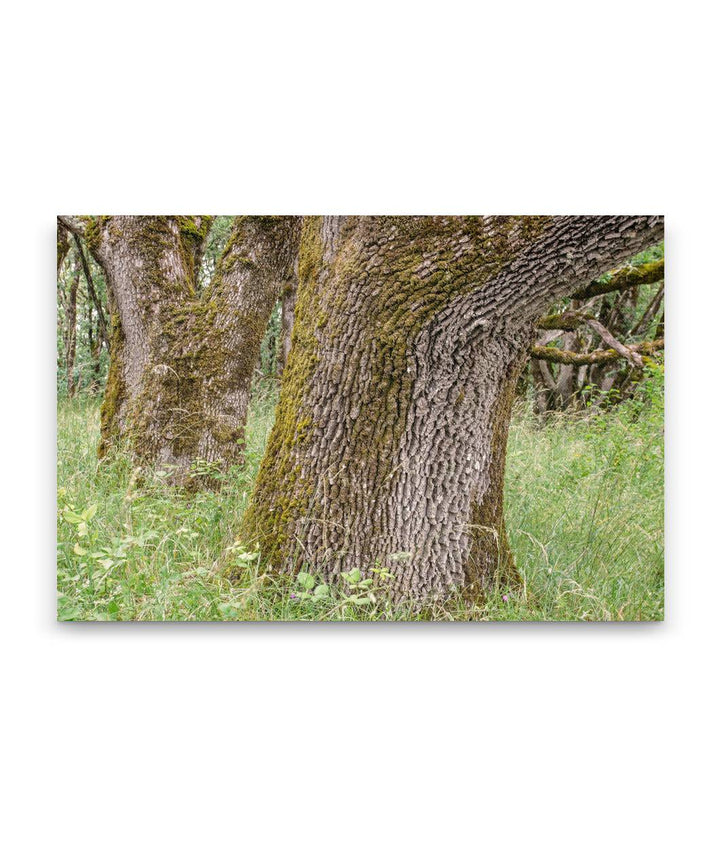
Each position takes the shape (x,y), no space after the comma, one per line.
(584,507)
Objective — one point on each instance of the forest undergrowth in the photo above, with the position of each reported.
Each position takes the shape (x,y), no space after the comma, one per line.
(584,507)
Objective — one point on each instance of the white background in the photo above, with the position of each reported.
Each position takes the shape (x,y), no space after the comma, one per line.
(358,739)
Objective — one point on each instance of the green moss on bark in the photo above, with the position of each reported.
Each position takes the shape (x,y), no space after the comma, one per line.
(393,276)
(280,475)
(115,392)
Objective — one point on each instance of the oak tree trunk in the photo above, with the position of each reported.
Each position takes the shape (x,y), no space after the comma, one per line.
(181,363)
(390,434)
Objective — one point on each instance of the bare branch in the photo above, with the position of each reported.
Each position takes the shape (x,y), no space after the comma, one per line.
(93,294)
(651,311)
(607,337)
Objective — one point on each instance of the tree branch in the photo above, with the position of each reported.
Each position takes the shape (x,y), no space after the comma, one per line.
(624,277)
(76,225)
(651,311)
(594,358)
(572,320)
(562,321)
(633,358)
(93,294)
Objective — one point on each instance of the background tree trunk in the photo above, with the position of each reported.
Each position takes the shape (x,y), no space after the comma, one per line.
(63,245)
(67,291)
(181,363)
(390,434)
(287,319)
(71,329)
(149,263)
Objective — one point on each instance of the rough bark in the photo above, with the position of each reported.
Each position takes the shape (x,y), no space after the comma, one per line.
(181,363)
(150,273)
(389,440)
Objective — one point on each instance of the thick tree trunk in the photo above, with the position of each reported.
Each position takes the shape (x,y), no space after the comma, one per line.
(149,264)
(181,364)
(390,436)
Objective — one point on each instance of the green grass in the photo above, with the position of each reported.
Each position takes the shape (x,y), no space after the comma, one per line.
(584,504)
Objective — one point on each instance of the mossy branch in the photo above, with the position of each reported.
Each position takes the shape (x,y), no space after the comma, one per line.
(624,277)
(562,321)
(594,358)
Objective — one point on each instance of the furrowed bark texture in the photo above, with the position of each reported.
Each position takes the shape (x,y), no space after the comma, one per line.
(181,364)
(392,423)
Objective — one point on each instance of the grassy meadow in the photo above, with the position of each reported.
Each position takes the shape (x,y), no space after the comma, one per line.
(584,506)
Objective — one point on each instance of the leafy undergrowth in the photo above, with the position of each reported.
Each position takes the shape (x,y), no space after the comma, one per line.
(584,503)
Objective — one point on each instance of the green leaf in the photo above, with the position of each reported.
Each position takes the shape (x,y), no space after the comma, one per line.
(90,512)
(307,581)
(352,576)
(78,550)
(322,591)
(71,517)
(240,560)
